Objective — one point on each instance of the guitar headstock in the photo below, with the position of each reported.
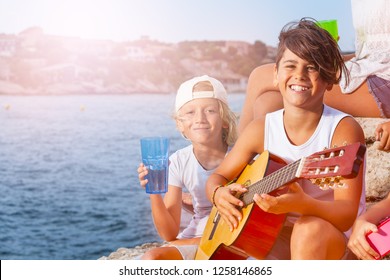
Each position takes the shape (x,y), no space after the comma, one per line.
(328,167)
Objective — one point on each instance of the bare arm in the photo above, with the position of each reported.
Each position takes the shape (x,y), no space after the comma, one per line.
(348,56)
(166,211)
(260,82)
(247,146)
(364,224)
(347,200)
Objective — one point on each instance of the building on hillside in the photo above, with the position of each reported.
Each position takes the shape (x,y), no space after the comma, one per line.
(62,73)
(8,44)
(5,71)
(234,83)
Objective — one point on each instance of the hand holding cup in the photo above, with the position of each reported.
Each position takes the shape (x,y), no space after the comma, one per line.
(155,157)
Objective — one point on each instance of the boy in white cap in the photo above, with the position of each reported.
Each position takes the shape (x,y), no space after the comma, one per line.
(203,117)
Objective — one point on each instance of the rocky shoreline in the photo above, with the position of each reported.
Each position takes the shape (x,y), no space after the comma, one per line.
(377,184)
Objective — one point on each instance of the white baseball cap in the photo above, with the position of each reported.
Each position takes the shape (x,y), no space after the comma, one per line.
(185,92)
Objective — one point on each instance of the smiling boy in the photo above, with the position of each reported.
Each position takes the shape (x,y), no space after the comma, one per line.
(317,226)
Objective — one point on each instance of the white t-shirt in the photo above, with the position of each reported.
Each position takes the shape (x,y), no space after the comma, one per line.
(185,171)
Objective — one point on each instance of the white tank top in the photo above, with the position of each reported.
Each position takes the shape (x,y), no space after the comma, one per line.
(277,143)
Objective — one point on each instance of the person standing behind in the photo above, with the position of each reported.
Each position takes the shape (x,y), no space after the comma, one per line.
(366,94)
(203,117)
(363,225)
(308,63)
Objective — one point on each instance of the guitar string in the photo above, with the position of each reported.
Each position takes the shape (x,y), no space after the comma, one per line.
(271,182)
(274,180)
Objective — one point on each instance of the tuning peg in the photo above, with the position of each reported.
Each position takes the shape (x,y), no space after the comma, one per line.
(334,180)
(326,180)
(339,186)
(342,185)
(324,187)
(315,181)
(320,182)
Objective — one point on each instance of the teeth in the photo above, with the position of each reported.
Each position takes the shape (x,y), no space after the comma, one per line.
(298,88)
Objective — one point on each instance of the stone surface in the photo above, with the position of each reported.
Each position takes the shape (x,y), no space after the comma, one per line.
(377,183)
(378,162)
(130,253)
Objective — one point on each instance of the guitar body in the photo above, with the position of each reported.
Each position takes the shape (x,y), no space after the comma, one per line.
(258,230)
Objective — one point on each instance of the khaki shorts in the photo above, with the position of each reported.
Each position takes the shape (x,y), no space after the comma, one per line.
(187,252)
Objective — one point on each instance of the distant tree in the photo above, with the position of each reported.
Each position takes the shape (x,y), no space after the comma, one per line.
(242,65)
(232,51)
(184,49)
(259,51)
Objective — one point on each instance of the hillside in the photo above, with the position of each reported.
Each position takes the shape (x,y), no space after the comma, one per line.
(33,62)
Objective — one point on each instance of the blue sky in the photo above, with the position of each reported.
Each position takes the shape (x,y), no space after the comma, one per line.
(172,20)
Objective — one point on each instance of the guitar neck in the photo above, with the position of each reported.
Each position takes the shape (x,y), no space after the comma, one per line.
(271,182)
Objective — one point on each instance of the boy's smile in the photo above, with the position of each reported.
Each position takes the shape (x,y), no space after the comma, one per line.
(298,88)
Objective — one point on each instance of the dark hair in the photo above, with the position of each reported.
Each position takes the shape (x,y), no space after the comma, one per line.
(314,44)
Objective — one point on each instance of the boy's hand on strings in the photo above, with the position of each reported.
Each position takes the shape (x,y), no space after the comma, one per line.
(284,203)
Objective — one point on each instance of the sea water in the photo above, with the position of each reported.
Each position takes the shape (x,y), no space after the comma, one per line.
(68,180)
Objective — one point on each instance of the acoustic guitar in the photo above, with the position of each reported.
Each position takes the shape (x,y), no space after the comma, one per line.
(258,230)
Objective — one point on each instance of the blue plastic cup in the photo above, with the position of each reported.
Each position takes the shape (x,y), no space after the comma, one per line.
(155,156)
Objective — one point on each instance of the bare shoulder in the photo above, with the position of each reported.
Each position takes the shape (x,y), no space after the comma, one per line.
(253,135)
(260,71)
(255,73)
(348,131)
(256,126)
(253,80)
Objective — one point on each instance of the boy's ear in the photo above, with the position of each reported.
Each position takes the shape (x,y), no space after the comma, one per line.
(225,125)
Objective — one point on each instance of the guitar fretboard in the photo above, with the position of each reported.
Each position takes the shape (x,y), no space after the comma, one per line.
(271,182)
